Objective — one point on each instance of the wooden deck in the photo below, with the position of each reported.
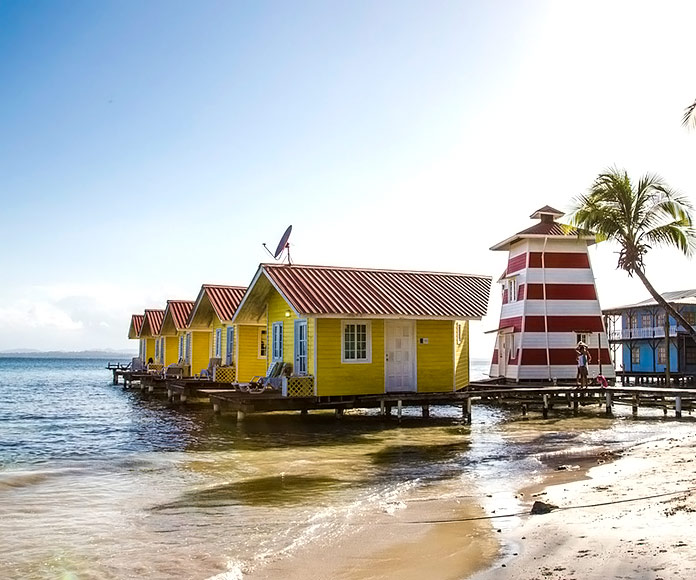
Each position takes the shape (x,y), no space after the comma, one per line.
(542,398)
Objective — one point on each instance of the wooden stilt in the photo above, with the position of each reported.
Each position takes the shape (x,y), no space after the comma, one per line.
(338,413)
(382,408)
(425,411)
(240,416)
(216,408)
(399,408)
(677,406)
(607,410)
(466,411)
(545,412)
(634,405)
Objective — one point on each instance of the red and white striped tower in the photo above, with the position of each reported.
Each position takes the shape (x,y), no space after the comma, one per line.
(549,304)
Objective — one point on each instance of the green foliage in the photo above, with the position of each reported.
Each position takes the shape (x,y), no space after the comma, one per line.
(637,217)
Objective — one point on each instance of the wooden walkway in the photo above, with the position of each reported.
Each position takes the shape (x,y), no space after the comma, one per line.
(542,398)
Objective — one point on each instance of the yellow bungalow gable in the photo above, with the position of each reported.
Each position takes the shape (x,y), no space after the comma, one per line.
(149,335)
(364,331)
(237,346)
(173,331)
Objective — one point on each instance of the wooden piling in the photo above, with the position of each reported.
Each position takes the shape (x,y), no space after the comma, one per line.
(607,410)
(425,411)
(545,412)
(677,406)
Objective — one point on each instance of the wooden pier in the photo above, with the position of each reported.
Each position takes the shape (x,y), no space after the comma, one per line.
(528,398)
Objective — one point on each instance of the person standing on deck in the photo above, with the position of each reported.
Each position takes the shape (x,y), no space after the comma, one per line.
(583,355)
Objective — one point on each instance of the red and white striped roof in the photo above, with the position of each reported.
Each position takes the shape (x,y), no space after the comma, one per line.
(224,300)
(179,311)
(339,291)
(152,323)
(135,325)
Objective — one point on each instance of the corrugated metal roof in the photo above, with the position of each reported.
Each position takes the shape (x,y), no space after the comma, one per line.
(225,299)
(135,325)
(549,228)
(180,310)
(153,321)
(674,297)
(328,290)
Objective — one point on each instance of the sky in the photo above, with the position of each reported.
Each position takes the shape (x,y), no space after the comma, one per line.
(147,148)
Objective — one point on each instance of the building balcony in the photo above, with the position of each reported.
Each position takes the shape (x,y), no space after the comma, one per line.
(646,332)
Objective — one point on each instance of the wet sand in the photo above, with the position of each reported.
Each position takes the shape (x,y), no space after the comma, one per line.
(401,545)
(628,518)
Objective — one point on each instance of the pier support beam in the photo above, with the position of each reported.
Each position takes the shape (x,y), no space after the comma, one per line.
(240,416)
(304,412)
(425,411)
(634,405)
(677,406)
(399,409)
(170,395)
(466,411)
(338,413)
(524,409)
(607,410)
(182,398)
(576,403)
(115,378)
(382,408)
(151,389)
(216,408)
(545,411)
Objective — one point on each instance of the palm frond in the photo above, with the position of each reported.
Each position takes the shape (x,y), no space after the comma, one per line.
(689,118)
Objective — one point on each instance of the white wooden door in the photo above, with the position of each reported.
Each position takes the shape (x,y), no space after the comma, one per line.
(400,342)
(502,355)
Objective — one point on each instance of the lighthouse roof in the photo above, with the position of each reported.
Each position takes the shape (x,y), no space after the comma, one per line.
(547,227)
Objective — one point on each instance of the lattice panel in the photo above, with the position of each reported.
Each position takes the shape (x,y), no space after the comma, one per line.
(301,386)
(155,367)
(225,374)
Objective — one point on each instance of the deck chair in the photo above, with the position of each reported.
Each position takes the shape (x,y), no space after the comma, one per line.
(174,371)
(137,364)
(273,376)
(207,373)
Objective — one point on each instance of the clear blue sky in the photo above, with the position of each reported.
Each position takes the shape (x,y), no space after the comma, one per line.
(149,147)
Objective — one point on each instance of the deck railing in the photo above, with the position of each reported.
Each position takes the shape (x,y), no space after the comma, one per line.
(646,332)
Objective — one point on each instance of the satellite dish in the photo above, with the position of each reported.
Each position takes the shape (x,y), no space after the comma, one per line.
(282,245)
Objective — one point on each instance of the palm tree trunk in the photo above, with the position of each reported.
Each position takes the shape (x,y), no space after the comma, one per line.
(668,308)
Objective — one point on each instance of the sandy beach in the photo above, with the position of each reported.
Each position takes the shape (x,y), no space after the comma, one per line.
(627,518)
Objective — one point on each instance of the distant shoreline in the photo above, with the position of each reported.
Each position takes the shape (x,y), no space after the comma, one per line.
(105,354)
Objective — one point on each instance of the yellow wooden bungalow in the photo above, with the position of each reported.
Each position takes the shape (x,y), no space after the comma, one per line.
(173,332)
(354,331)
(149,335)
(240,349)
(134,334)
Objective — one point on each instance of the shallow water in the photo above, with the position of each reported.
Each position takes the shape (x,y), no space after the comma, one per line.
(97,482)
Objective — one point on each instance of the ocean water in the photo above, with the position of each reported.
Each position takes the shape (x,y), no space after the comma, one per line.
(101,483)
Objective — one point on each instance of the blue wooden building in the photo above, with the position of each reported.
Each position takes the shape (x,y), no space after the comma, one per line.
(641,335)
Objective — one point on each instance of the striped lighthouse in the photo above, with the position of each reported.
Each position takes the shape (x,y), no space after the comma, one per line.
(549,305)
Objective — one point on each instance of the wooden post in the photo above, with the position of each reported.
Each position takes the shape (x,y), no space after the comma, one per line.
(240,416)
(151,389)
(115,377)
(338,413)
(216,408)
(667,365)
(634,406)
(182,398)
(524,409)
(677,407)
(399,405)
(304,412)
(466,411)
(425,411)
(576,403)
(170,395)
(382,408)
(608,403)
(545,412)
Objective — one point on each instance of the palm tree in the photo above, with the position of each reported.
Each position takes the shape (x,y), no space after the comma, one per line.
(689,118)
(637,217)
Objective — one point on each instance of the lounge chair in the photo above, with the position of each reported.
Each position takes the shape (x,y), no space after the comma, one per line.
(207,373)
(272,380)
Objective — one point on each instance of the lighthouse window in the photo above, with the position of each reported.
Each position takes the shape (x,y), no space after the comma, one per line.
(512,290)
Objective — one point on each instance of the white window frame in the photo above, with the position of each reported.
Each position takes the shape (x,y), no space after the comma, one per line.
(229,349)
(511,285)
(218,343)
(277,341)
(301,347)
(263,342)
(368,342)
(188,348)
(181,348)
